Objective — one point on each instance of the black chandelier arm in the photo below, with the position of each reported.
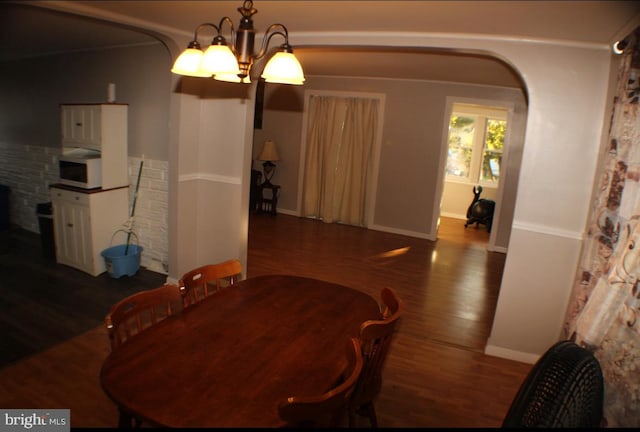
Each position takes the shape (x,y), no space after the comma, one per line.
(201,26)
(271,32)
(232,31)
(218,38)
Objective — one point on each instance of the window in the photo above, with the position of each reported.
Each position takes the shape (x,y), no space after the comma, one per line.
(476,141)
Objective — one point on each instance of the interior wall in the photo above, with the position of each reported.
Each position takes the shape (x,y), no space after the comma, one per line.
(33,89)
(31,93)
(411,145)
(565,115)
(567,97)
(211,205)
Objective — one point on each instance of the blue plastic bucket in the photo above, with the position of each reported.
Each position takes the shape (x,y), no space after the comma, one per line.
(118,264)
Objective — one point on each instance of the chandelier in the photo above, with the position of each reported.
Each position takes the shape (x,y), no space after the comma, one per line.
(234,63)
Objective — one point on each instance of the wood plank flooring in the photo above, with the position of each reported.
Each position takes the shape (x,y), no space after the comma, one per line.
(450,287)
(436,374)
(43,303)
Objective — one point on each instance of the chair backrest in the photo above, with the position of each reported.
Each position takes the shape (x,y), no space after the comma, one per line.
(140,311)
(203,281)
(565,388)
(375,339)
(391,304)
(327,409)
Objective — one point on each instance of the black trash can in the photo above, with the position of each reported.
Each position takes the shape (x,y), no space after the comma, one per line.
(44,212)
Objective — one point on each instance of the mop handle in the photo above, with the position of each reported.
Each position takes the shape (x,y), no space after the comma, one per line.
(133,206)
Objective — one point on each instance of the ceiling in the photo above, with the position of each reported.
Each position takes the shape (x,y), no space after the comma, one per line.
(37,28)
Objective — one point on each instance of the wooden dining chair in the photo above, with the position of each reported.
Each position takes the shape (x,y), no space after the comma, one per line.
(140,311)
(133,315)
(327,409)
(375,339)
(199,283)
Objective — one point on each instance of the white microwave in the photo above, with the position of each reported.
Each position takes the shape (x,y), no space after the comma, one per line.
(83,171)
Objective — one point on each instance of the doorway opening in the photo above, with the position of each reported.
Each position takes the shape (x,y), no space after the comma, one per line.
(474,148)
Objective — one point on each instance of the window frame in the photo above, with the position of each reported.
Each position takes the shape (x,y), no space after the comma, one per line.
(481,115)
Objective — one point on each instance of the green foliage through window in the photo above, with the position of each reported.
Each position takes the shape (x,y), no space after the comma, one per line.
(476,143)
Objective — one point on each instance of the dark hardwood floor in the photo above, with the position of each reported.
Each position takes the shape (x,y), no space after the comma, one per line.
(450,286)
(436,374)
(43,303)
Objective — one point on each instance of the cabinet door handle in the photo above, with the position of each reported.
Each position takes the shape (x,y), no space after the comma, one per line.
(78,124)
(70,225)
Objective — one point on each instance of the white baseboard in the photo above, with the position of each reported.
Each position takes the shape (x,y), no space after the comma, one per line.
(454,215)
(402,232)
(497,249)
(288,212)
(376,228)
(520,356)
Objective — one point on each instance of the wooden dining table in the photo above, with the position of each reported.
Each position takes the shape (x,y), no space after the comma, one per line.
(230,359)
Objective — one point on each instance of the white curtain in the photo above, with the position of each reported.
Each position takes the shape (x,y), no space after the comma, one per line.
(340,136)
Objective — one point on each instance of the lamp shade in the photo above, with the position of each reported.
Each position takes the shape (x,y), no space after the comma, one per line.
(269,152)
(283,68)
(189,63)
(218,59)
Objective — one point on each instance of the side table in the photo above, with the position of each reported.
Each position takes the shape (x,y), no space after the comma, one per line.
(269,198)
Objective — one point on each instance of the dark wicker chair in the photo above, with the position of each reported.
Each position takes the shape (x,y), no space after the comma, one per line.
(565,388)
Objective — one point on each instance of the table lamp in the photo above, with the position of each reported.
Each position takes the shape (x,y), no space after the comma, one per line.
(268,155)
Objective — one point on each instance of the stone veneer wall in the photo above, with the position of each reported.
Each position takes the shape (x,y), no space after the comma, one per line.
(29,170)
(151,213)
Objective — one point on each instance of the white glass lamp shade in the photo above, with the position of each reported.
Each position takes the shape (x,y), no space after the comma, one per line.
(189,62)
(283,68)
(218,59)
(269,152)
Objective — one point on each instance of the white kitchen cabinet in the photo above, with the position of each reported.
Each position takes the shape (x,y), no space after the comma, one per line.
(101,128)
(84,223)
(81,126)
